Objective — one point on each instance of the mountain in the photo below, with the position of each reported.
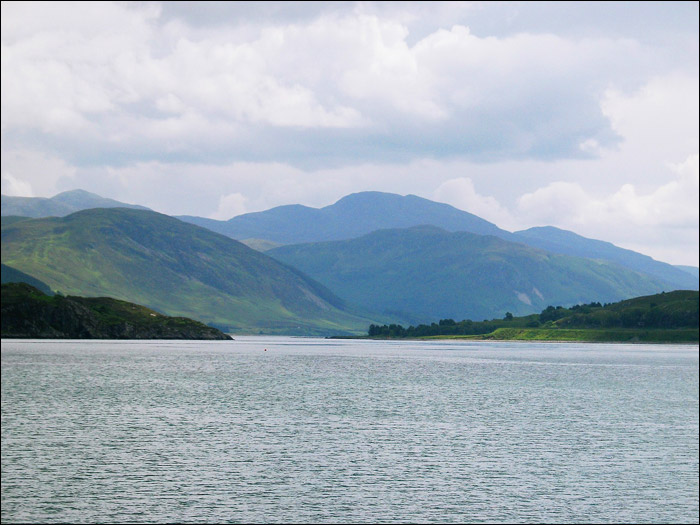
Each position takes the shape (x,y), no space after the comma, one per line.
(175,268)
(568,243)
(362,213)
(10,275)
(425,273)
(350,217)
(692,270)
(59,205)
(29,313)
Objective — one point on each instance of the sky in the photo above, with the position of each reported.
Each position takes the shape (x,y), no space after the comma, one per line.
(582,116)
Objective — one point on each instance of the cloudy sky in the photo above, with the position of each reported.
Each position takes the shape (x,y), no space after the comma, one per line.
(578,115)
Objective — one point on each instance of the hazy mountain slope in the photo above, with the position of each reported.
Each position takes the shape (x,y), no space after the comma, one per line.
(425,273)
(60,205)
(350,217)
(569,243)
(175,268)
(691,270)
(11,275)
(34,207)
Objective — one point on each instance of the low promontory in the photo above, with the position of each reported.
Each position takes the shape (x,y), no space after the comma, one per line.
(30,313)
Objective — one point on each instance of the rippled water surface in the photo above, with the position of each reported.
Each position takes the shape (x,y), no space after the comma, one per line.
(314,430)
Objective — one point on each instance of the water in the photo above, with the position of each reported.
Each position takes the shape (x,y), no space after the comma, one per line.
(348,431)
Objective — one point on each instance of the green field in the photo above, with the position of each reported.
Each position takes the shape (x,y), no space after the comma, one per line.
(585,335)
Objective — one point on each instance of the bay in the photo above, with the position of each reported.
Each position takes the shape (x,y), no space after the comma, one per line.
(265,430)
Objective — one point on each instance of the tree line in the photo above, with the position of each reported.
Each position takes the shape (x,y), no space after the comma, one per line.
(666,311)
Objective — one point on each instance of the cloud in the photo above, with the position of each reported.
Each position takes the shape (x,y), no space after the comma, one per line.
(15,187)
(31,173)
(673,204)
(659,121)
(230,205)
(126,84)
(630,218)
(460,193)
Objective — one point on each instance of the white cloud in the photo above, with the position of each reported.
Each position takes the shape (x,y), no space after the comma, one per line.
(659,124)
(557,203)
(32,173)
(648,222)
(16,187)
(230,205)
(122,78)
(460,193)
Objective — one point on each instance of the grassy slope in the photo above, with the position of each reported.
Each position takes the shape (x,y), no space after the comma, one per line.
(660,318)
(592,335)
(427,273)
(175,268)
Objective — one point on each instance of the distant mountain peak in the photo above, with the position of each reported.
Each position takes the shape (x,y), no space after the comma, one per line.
(77,192)
(59,205)
(352,216)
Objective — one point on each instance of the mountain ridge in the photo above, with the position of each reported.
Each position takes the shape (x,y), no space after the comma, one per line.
(59,205)
(425,272)
(176,268)
(345,219)
(351,216)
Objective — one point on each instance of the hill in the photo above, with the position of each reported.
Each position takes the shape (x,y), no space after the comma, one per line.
(59,205)
(665,317)
(352,216)
(29,313)
(174,268)
(426,273)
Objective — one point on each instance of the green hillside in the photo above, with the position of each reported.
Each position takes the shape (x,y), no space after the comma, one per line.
(175,268)
(664,317)
(6,220)
(427,273)
(29,313)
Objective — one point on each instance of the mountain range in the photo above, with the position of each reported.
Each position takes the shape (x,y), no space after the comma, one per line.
(408,258)
(59,205)
(352,216)
(362,213)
